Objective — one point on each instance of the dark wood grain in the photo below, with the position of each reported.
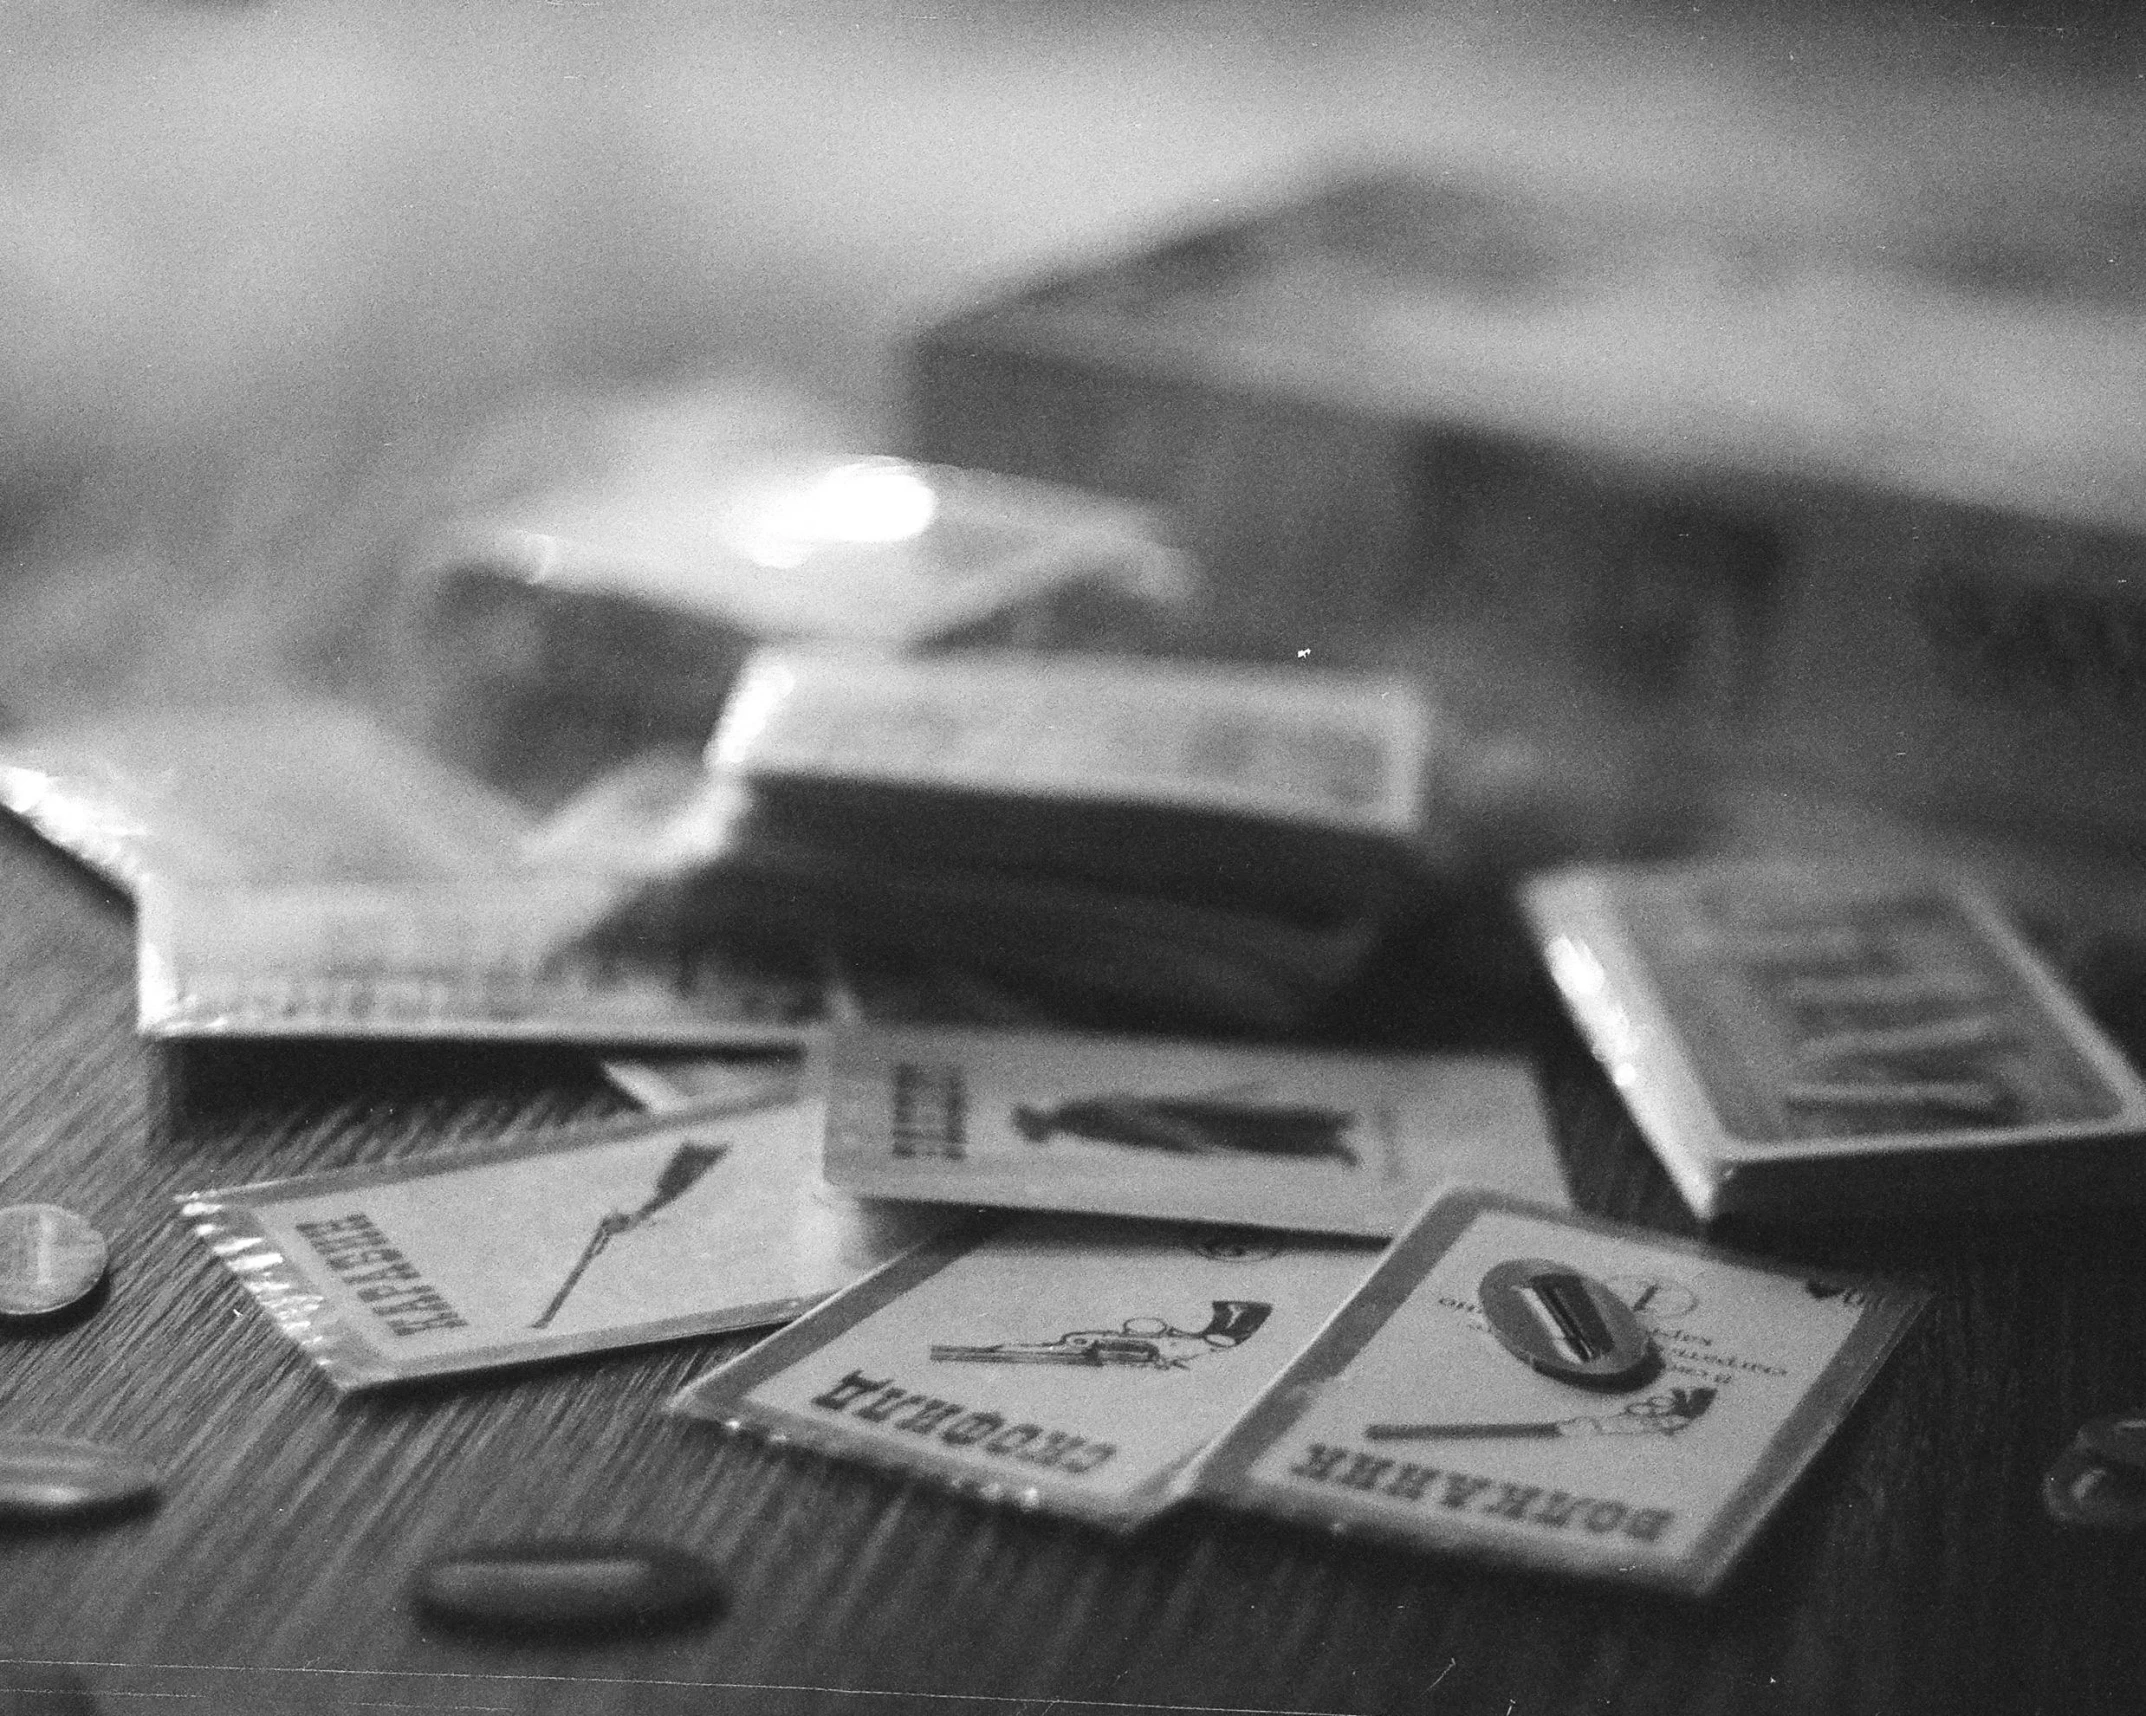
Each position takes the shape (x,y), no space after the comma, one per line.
(1910,1570)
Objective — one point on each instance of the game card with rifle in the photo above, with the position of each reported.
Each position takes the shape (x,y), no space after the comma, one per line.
(597,1237)
(1536,1387)
(1054,1362)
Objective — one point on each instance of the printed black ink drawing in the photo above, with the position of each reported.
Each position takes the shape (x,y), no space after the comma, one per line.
(1140,1343)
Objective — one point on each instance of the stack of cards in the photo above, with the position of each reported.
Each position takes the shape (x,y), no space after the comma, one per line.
(1157,842)
(1801,1038)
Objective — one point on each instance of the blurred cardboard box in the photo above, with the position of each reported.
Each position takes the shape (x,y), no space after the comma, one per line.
(1623,488)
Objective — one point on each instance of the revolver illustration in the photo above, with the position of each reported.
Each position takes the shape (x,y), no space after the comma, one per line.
(1143,1343)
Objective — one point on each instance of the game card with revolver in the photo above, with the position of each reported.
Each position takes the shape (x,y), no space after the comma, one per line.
(1055,1362)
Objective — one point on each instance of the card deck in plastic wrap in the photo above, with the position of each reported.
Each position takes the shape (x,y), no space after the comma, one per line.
(1265,790)
(1804,1038)
(1052,1362)
(529,956)
(1458,1402)
(1131,841)
(1181,1131)
(545,1248)
(277,790)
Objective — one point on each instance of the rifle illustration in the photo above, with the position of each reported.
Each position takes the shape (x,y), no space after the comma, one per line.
(1141,1343)
(1658,1414)
(680,1174)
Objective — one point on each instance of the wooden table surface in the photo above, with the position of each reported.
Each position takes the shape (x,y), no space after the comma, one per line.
(1910,1569)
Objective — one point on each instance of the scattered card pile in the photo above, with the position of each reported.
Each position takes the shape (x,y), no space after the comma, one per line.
(724,1211)
(1178,1295)
(1110,1372)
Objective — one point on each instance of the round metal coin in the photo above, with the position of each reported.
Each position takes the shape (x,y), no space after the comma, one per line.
(1567,1325)
(2079,1489)
(49,1258)
(48,1478)
(2119,1438)
(583,1587)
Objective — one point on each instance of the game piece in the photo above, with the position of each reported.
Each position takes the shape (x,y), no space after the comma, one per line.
(2118,1438)
(568,1586)
(52,1478)
(2082,1489)
(1566,1325)
(50,1258)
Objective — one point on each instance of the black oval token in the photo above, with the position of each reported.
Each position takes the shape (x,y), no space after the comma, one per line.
(2119,1438)
(2079,1489)
(554,1586)
(49,1258)
(46,1479)
(1567,1325)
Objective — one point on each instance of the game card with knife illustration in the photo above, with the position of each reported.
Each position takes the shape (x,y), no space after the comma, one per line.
(577,1241)
(1054,1362)
(1559,1392)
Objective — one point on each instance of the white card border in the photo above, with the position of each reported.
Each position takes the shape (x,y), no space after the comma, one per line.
(1221,1476)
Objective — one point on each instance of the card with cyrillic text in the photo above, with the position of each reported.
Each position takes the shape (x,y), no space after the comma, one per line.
(1813,1038)
(608,1236)
(1257,1137)
(1563,1393)
(1052,1362)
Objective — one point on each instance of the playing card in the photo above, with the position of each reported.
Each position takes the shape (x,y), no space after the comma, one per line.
(542,1248)
(1448,1405)
(1186,1131)
(1810,1037)
(1048,1361)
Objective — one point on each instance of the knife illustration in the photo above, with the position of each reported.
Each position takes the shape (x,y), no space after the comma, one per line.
(1657,1415)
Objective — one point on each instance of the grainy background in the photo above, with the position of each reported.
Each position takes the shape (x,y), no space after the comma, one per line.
(260,266)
